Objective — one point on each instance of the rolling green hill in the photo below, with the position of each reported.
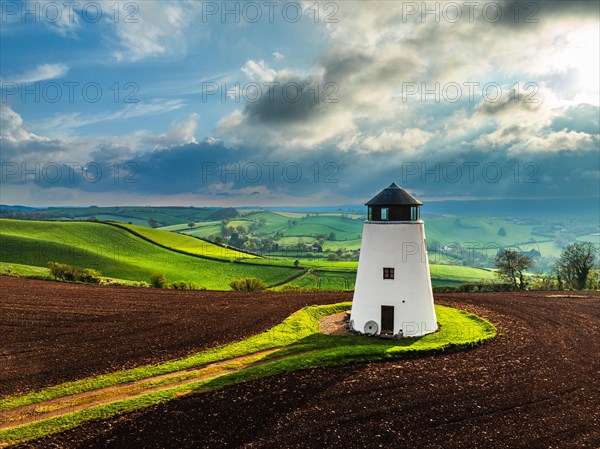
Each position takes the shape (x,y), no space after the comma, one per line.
(118,253)
(343,228)
(135,214)
(187,244)
(448,230)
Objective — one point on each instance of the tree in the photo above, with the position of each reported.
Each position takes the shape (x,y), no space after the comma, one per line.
(191,224)
(153,223)
(575,264)
(502,232)
(511,266)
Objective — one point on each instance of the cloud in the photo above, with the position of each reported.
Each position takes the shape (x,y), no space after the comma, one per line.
(278,55)
(20,145)
(11,126)
(156,29)
(292,111)
(179,133)
(556,142)
(56,16)
(259,71)
(41,72)
(64,123)
(407,141)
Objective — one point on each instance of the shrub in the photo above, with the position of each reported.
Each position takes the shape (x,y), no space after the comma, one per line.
(90,276)
(74,274)
(473,287)
(185,285)
(159,280)
(248,284)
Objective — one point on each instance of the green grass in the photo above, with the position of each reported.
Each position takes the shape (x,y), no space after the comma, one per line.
(344,228)
(593,238)
(204,230)
(323,280)
(459,273)
(274,222)
(302,346)
(135,214)
(188,244)
(16,269)
(117,253)
(447,230)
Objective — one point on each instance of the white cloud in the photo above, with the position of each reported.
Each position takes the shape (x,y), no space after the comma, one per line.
(556,141)
(40,73)
(259,71)
(179,133)
(56,16)
(155,29)
(278,55)
(11,126)
(407,141)
(64,123)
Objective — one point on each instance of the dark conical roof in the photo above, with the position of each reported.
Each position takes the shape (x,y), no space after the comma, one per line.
(393,195)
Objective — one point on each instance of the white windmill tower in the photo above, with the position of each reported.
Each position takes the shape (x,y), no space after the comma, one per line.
(393,295)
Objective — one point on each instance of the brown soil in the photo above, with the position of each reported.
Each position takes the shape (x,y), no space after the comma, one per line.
(536,385)
(80,401)
(53,332)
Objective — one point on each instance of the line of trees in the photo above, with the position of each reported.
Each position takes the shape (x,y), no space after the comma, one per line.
(572,270)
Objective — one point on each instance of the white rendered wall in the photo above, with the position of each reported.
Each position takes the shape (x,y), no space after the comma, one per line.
(399,245)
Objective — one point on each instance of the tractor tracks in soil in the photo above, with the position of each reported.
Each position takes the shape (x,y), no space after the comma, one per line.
(40,411)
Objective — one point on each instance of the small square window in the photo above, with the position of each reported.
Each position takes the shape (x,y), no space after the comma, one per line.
(388,273)
(384,213)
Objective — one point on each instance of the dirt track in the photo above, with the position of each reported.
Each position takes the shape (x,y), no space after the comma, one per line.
(535,385)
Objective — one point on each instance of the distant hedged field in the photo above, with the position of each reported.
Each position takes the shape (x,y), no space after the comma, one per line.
(187,247)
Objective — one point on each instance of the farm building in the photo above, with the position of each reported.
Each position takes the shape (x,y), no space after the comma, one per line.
(393,294)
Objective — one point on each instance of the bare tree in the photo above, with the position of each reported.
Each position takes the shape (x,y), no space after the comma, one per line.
(575,264)
(511,266)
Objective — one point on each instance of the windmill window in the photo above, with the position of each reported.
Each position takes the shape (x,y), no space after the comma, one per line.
(384,213)
(388,273)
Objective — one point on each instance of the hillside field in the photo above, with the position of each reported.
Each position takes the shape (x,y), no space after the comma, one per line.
(117,253)
(132,253)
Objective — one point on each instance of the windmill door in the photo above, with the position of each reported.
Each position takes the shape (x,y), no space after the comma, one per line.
(387,320)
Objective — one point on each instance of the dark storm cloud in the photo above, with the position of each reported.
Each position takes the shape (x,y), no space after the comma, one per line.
(291,100)
(31,150)
(359,69)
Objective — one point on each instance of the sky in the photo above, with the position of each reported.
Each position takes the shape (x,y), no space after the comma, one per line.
(297,103)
